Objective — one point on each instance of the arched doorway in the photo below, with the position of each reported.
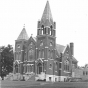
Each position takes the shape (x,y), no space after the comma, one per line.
(39,68)
(16,68)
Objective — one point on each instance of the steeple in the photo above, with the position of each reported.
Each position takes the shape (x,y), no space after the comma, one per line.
(23,34)
(47,13)
(46,26)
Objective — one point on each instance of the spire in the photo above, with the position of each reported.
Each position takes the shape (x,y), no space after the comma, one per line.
(23,34)
(47,13)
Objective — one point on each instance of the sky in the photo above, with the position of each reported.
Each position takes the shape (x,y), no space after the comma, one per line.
(71,17)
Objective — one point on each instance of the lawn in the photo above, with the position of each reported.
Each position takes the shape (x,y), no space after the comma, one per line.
(33,84)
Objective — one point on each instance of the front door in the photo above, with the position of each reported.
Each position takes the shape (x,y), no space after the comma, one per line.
(39,68)
(16,68)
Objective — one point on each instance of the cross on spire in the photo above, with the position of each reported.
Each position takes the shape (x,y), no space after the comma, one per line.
(24,26)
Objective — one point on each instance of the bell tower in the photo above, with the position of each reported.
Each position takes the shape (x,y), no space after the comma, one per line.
(46,42)
(46,33)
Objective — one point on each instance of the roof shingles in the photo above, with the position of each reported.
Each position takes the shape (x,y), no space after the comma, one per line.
(60,48)
(47,13)
(23,35)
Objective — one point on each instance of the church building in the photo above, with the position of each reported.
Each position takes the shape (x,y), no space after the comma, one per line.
(41,54)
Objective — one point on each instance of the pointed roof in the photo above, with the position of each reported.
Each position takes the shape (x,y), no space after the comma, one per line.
(60,48)
(33,37)
(23,35)
(47,13)
(74,59)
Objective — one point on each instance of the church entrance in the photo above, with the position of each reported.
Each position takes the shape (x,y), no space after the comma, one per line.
(16,68)
(39,68)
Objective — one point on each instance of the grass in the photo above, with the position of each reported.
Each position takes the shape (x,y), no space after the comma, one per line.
(33,84)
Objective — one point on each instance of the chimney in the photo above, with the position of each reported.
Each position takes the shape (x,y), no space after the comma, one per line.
(72,48)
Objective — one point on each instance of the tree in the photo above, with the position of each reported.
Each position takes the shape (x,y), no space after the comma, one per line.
(6,60)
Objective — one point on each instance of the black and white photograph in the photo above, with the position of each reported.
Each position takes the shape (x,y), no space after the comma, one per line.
(43,43)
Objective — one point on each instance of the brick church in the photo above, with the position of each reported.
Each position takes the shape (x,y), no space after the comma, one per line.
(41,54)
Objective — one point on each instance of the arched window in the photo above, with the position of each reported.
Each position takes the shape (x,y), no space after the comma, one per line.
(51,27)
(30,68)
(66,65)
(39,32)
(41,43)
(27,69)
(66,62)
(56,65)
(42,53)
(30,54)
(49,54)
(83,72)
(48,30)
(53,32)
(31,43)
(39,54)
(42,27)
(23,68)
(51,43)
(24,56)
(50,66)
(45,30)
(18,46)
(19,56)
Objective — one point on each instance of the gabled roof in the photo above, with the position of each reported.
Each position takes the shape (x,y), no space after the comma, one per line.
(47,13)
(86,66)
(34,38)
(23,35)
(60,48)
(73,59)
(31,39)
